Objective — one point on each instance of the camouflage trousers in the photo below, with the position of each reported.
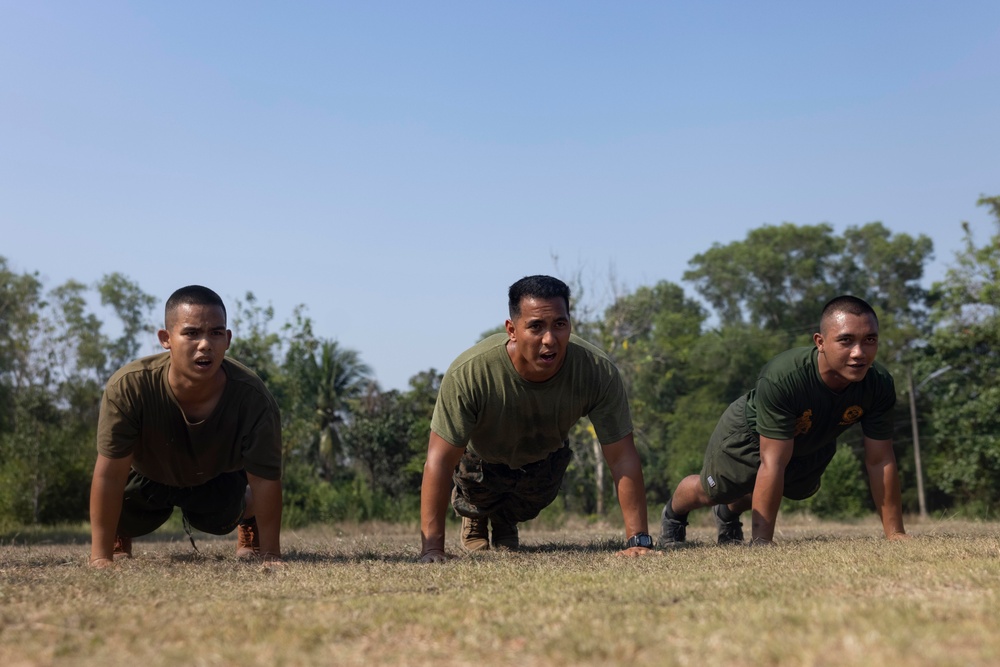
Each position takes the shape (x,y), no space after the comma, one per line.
(512,495)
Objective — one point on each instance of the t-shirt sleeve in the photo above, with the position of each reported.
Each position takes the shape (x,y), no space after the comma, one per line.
(118,424)
(454,414)
(611,416)
(776,414)
(262,444)
(877,423)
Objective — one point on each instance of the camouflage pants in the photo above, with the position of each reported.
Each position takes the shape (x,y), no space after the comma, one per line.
(512,495)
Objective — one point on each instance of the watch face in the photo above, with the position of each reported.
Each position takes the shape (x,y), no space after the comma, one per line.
(641,540)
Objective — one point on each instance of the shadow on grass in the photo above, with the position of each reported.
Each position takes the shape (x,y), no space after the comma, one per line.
(176,542)
(605,546)
(71,536)
(32,535)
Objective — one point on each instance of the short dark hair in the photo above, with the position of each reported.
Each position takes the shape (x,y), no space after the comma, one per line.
(535,287)
(192,295)
(845,303)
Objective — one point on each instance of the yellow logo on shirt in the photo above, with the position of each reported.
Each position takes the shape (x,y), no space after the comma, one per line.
(804,422)
(851,415)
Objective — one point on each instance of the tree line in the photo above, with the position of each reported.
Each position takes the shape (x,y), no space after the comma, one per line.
(353,451)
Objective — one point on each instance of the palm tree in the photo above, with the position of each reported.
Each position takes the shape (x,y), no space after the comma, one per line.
(341,376)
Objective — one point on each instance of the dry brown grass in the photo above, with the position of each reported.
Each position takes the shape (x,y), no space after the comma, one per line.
(831,594)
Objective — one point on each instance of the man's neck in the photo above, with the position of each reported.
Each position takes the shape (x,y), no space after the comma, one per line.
(197,399)
(827,376)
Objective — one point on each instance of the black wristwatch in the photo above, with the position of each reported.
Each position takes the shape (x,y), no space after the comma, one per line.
(640,540)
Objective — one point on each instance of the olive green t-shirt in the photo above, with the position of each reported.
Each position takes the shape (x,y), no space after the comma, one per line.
(486,405)
(140,416)
(791,401)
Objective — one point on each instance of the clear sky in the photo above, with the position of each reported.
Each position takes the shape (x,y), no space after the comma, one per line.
(396,165)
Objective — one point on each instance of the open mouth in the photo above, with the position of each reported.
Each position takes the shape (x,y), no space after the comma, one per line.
(548,357)
(203,363)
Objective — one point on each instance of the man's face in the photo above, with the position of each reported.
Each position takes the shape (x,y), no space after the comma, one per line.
(847,347)
(197,338)
(538,338)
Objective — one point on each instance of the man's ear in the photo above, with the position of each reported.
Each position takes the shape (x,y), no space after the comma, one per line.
(511,330)
(164,337)
(818,341)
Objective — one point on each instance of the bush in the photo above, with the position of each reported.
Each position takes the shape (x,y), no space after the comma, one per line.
(44,480)
(307,498)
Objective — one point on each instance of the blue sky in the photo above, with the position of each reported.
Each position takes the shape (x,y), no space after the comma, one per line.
(395,166)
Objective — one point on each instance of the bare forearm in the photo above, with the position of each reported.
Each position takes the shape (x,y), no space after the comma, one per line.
(631,495)
(267,504)
(107,491)
(884,480)
(442,458)
(434,492)
(769,487)
(105,510)
(883,477)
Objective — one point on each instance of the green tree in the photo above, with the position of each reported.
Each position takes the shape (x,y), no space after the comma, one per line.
(22,383)
(722,365)
(20,307)
(87,355)
(254,344)
(318,381)
(773,279)
(650,334)
(79,348)
(56,359)
(134,310)
(779,276)
(378,440)
(342,376)
(295,387)
(420,399)
(45,462)
(886,270)
(963,438)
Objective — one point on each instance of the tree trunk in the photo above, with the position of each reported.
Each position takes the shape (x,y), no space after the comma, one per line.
(599,475)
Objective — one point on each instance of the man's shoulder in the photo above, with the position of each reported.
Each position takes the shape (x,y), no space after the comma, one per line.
(586,347)
(795,361)
(153,365)
(246,378)
(879,375)
(585,356)
(791,374)
(237,370)
(484,350)
(795,356)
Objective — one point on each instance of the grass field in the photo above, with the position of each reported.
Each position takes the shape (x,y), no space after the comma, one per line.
(830,594)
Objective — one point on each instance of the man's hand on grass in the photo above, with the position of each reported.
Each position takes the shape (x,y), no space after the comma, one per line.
(636,552)
(435,556)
